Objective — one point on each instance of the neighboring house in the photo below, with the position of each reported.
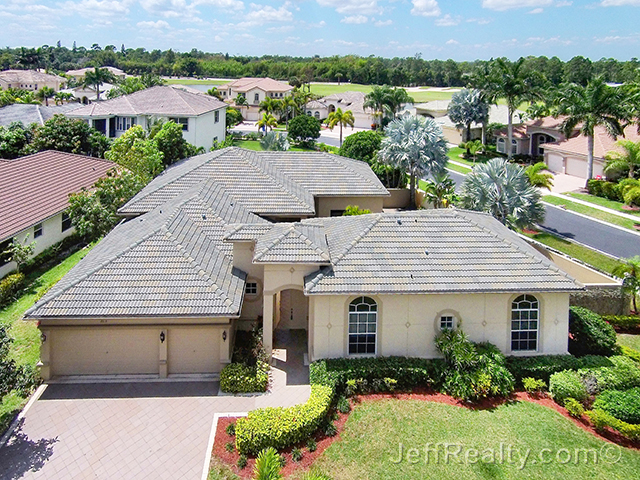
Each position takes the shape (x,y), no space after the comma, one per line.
(34,193)
(32,80)
(570,156)
(88,94)
(28,113)
(354,101)
(255,90)
(225,239)
(202,117)
(82,72)
(317,109)
(530,136)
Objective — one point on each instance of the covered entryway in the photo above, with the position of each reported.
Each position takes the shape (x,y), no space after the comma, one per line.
(193,350)
(293,310)
(104,351)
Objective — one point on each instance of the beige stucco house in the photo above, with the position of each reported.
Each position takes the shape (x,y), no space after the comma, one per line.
(353,101)
(530,137)
(255,90)
(31,80)
(80,73)
(223,240)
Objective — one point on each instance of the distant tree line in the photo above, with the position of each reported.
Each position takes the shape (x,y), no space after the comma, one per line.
(370,70)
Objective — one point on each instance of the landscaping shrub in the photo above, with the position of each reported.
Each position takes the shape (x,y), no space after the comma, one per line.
(330,429)
(231,429)
(9,287)
(239,378)
(541,367)
(630,352)
(242,461)
(565,384)
(611,191)
(623,322)
(533,385)
(282,427)
(342,405)
(595,187)
(574,407)
(312,445)
(267,465)
(624,405)
(590,334)
(20,378)
(296,454)
(622,374)
(602,419)
(229,447)
(632,197)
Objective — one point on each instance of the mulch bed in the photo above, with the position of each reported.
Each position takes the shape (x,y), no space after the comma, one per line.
(323,442)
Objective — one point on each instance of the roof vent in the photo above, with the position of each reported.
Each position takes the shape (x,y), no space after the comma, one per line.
(204,217)
(160,211)
(412,276)
(426,252)
(399,221)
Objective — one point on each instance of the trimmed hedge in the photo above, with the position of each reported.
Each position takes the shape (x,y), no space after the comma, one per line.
(590,334)
(624,322)
(281,427)
(240,378)
(567,384)
(602,419)
(622,373)
(9,287)
(543,366)
(630,352)
(624,405)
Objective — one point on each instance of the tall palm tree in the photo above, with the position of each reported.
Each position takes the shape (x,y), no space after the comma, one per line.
(625,161)
(61,97)
(596,105)
(441,191)
(269,105)
(503,190)
(629,271)
(509,80)
(97,78)
(416,145)
(343,119)
(376,100)
(45,93)
(241,101)
(267,121)
(289,108)
(396,98)
(468,107)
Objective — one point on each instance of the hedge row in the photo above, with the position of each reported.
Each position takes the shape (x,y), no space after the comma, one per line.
(240,378)
(543,366)
(624,322)
(9,287)
(630,352)
(622,404)
(281,427)
(602,419)
(627,190)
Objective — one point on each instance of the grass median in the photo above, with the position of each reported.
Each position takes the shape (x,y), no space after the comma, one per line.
(591,212)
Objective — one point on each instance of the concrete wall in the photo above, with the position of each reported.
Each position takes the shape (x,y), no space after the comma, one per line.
(407,324)
(51,234)
(399,198)
(242,259)
(324,205)
(204,129)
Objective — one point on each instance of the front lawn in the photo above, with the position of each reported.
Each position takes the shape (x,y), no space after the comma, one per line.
(631,341)
(591,212)
(603,202)
(478,441)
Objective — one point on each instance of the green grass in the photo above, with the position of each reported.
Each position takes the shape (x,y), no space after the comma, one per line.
(195,81)
(631,341)
(603,202)
(591,212)
(420,97)
(585,254)
(255,145)
(26,337)
(458,168)
(369,445)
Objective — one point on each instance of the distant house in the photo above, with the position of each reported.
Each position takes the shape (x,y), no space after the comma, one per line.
(255,90)
(202,117)
(82,72)
(569,156)
(31,80)
(530,136)
(350,100)
(29,113)
(34,193)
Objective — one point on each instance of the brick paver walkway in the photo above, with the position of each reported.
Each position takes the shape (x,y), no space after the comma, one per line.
(154,430)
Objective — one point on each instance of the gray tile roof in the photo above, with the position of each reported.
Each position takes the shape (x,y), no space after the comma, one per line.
(268,183)
(431,251)
(293,243)
(169,262)
(29,113)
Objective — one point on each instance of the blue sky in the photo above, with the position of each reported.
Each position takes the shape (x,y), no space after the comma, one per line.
(462,30)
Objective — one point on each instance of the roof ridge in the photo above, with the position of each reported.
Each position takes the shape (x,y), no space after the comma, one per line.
(338,159)
(273,243)
(313,244)
(356,240)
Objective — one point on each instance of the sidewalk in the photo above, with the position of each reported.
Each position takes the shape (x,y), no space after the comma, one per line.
(636,218)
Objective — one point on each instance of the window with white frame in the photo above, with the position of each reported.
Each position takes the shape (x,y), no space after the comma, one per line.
(182,121)
(363,326)
(124,123)
(66,222)
(514,147)
(251,288)
(501,146)
(525,323)
(447,322)
(256,98)
(37,230)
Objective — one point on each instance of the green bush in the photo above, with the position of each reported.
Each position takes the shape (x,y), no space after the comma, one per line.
(630,352)
(574,407)
(330,429)
(602,419)
(312,445)
(296,454)
(625,322)
(632,197)
(590,334)
(9,288)
(595,187)
(624,405)
(231,429)
(282,427)
(622,374)
(342,405)
(240,378)
(565,384)
(533,385)
(541,367)
(242,461)
(611,191)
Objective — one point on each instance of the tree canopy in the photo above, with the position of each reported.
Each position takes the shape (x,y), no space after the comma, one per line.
(304,129)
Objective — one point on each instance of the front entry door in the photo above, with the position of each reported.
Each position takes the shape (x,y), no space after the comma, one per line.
(294,310)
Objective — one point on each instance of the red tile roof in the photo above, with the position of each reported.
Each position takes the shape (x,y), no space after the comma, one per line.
(602,143)
(36,187)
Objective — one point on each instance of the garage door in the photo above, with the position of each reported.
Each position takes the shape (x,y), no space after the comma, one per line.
(104,351)
(576,167)
(193,350)
(555,162)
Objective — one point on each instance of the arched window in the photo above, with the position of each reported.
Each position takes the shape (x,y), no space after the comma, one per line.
(514,147)
(363,326)
(501,146)
(542,139)
(317,115)
(525,322)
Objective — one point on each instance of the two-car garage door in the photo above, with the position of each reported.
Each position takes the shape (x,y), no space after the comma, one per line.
(133,350)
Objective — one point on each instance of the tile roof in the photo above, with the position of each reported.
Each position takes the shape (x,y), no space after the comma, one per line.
(603,143)
(269,183)
(169,262)
(30,113)
(293,243)
(265,84)
(349,100)
(160,100)
(36,187)
(29,76)
(431,251)
(81,72)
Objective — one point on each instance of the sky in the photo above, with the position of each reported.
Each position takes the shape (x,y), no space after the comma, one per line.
(457,29)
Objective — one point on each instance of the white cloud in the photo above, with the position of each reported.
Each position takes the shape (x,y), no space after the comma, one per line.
(383,23)
(535,11)
(626,39)
(261,14)
(502,5)
(159,25)
(453,42)
(425,8)
(448,21)
(480,21)
(355,19)
(620,3)
(359,7)
(97,8)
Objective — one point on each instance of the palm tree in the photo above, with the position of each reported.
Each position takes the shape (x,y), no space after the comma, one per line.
(539,176)
(267,121)
(269,105)
(267,465)
(629,271)
(214,92)
(376,100)
(97,78)
(344,119)
(509,80)
(397,97)
(596,105)
(625,161)
(289,106)
(473,147)
(441,191)
(468,107)
(241,101)
(61,97)
(503,190)
(416,145)
(45,93)
(276,142)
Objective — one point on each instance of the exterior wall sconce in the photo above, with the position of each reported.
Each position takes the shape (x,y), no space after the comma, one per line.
(162,337)
(43,337)
(224,335)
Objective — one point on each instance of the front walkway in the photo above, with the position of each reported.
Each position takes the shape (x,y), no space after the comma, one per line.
(155,430)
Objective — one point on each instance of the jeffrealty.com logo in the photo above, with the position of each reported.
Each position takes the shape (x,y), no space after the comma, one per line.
(443,453)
